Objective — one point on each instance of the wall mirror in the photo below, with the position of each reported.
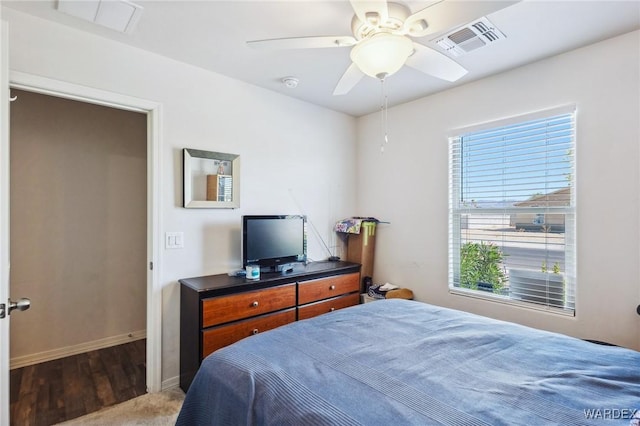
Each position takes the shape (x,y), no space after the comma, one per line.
(211,179)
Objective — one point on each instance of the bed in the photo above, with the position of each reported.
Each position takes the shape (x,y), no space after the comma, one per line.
(401,362)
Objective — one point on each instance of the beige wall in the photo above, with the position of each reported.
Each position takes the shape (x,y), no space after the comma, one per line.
(78,222)
(603,81)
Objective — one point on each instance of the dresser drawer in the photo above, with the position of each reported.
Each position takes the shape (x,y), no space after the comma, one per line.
(326,306)
(220,310)
(224,335)
(324,288)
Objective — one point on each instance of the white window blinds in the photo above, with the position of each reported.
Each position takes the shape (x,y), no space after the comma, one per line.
(512,211)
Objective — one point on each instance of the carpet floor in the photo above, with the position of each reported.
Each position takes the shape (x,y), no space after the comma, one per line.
(157,409)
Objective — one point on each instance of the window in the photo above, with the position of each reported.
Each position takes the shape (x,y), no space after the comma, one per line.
(512,211)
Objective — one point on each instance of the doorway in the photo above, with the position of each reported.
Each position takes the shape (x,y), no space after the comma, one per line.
(78,226)
(153,110)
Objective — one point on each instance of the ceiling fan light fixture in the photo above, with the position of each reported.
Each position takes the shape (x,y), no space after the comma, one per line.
(382,54)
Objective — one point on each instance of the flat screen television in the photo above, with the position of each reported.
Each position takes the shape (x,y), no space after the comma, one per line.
(274,242)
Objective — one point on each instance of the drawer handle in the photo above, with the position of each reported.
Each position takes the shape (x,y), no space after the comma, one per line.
(332,309)
(332,287)
(255,304)
(255,331)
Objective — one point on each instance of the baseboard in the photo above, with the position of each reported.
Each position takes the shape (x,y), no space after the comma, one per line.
(25,360)
(170,383)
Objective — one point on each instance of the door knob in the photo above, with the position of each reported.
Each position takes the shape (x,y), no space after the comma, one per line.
(21,305)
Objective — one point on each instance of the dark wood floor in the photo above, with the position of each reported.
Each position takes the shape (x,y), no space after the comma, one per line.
(63,389)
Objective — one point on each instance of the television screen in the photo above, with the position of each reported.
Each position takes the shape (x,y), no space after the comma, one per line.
(273,240)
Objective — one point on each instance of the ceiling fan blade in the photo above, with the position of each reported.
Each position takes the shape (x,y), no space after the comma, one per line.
(364,7)
(435,63)
(349,79)
(302,42)
(447,15)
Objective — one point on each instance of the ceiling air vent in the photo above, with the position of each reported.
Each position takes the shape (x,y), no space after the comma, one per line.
(119,15)
(472,36)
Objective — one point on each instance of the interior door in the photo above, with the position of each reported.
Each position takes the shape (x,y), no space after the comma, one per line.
(4,221)
(6,305)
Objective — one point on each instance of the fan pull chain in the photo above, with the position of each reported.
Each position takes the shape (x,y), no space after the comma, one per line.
(384,111)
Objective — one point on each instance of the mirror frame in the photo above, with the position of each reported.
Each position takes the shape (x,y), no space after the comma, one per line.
(187,191)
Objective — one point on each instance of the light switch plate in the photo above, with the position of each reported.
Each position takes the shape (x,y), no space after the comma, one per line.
(174,240)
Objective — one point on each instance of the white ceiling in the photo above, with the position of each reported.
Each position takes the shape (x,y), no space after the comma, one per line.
(212,35)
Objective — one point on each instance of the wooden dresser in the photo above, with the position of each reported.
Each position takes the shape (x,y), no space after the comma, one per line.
(218,310)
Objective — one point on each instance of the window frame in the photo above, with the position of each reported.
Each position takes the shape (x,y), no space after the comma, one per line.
(456,212)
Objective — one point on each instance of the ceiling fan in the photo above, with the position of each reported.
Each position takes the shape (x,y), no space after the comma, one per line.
(381,42)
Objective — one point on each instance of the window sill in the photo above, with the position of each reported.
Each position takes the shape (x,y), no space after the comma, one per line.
(568,312)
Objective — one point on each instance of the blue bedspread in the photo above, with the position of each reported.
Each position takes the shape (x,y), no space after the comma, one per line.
(400,362)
